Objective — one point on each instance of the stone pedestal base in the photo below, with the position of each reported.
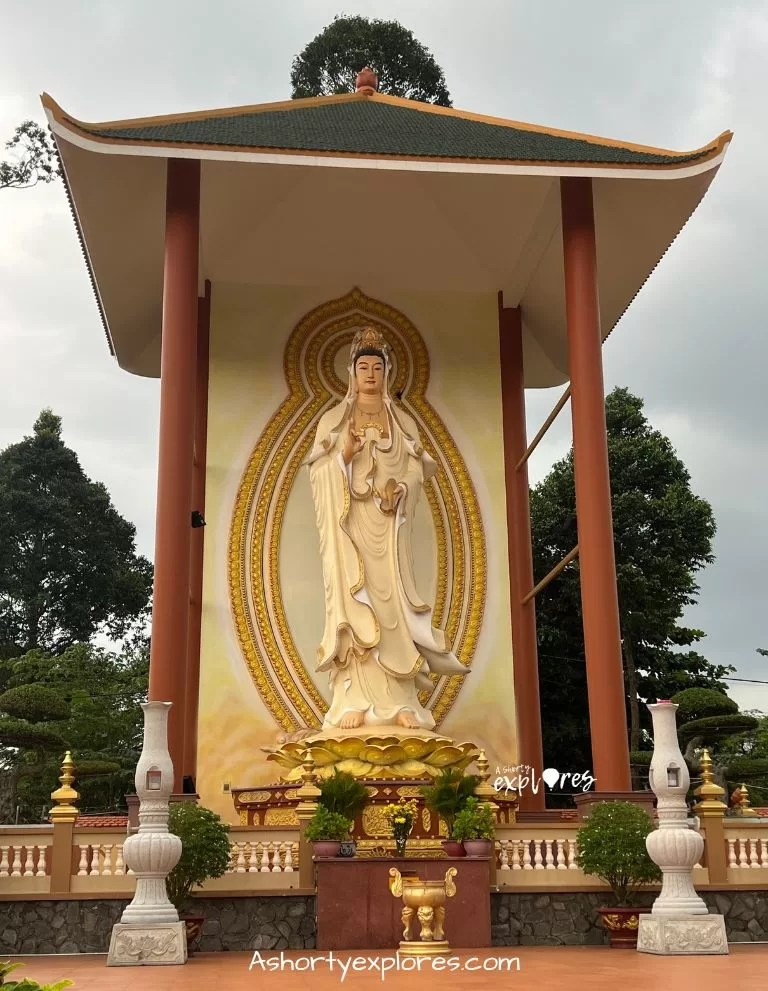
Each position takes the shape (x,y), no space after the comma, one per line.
(137,945)
(682,935)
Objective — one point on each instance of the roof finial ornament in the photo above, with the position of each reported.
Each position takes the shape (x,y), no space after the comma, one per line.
(367,81)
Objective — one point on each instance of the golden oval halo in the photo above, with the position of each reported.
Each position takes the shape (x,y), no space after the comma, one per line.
(283,681)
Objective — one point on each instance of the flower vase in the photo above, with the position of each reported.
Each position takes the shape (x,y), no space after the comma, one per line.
(400,842)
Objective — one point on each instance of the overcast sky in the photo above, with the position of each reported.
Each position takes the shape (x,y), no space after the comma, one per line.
(670,73)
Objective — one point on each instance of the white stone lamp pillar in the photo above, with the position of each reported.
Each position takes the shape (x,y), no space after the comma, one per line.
(149,931)
(679,922)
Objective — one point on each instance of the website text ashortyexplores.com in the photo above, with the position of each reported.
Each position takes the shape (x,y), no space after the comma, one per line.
(397,963)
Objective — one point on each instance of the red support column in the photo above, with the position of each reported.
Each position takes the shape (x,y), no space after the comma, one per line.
(197,536)
(599,599)
(525,656)
(170,607)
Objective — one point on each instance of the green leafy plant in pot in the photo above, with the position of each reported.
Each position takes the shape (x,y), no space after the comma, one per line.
(475,828)
(446,797)
(343,794)
(205,854)
(612,847)
(326,830)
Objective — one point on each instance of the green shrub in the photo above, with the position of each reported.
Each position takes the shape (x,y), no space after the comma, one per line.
(327,825)
(474,822)
(205,850)
(344,794)
(612,847)
(26,983)
(696,703)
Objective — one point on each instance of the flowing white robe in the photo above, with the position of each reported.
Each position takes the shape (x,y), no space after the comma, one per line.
(379,644)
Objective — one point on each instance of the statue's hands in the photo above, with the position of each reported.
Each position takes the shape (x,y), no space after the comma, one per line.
(352,444)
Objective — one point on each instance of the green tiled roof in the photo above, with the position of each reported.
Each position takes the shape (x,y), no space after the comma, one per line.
(369,127)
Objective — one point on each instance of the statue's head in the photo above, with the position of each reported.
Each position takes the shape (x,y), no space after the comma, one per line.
(369,361)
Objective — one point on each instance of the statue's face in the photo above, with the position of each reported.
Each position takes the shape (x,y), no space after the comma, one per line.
(369,374)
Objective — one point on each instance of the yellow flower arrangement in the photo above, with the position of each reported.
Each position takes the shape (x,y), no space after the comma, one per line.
(401,817)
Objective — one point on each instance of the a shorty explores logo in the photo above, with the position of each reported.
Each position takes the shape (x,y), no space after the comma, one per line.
(521,777)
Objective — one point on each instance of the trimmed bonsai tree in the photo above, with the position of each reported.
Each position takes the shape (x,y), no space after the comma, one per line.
(612,847)
(205,852)
(447,796)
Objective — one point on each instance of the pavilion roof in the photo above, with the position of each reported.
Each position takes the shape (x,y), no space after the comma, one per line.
(366,190)
(377,125)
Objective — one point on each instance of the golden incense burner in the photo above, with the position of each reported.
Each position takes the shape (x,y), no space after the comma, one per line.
(425,900)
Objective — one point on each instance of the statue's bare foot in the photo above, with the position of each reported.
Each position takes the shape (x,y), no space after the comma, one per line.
(407,719)
(351,720)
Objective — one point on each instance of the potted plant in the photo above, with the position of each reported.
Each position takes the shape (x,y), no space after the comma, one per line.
(205,854)
(612,847)
(326,830)
(401,817)
(446,797)
(344,794)
(474,826)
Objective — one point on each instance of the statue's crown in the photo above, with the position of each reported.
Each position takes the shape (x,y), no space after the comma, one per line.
(368,337)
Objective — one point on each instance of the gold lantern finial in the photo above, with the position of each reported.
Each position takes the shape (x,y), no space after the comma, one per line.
(309,791)
(65,810)
(744,808)
(484,791)
(709,793)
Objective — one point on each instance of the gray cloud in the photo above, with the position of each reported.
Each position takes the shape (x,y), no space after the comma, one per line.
(675,75)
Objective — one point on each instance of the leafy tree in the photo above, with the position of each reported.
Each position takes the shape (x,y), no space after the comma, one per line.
(331,61)
(662,538)
(29,719)
(737,742)
(35,159)
(99,720)
(68,562)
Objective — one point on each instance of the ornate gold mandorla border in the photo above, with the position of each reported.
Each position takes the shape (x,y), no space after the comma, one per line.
(253,559)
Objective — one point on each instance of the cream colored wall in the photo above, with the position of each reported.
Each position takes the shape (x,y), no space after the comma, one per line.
(249,330)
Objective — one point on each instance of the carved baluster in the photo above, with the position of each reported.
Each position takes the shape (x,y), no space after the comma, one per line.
(4,861)
(41,855)
(550,860)
(754,856)
(240,868)
(538,864)
(504,855)
(95,858)
(295,853)
(253,860)
(264,858)
(516,855)
(82,869)
(527,865)
(573,853)
(561,855)
(119,862)
(277,867)
(763,853)
(743,863)
(107,848)
(732,852)
(29,863)
(288,865)
(16,870)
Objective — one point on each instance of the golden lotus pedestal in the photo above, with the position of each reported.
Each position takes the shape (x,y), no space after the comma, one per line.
(399,754)
(426,901)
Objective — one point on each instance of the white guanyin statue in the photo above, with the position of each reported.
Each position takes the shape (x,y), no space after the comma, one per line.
(367,469)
